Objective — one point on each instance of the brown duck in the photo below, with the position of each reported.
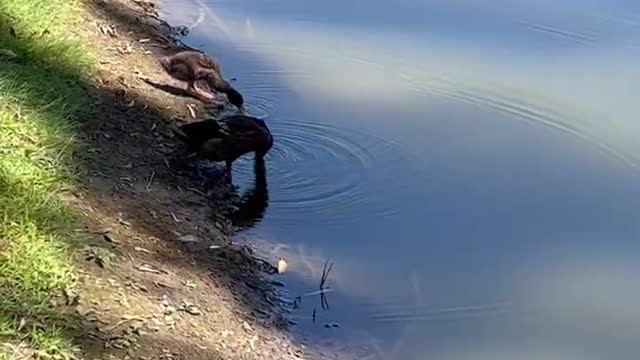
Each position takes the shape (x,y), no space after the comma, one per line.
(194,66)
(227,140)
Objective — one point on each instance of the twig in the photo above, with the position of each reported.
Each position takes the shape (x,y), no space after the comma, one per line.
(153,174)
(325,274)
(125,319)
(322,291)
(196,191)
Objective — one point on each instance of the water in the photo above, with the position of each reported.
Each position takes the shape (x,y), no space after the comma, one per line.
(469,167)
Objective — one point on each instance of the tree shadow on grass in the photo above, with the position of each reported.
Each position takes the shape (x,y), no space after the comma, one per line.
(121,166)
(40,92)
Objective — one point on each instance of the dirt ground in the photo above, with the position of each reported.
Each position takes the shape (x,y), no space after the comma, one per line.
(161,278)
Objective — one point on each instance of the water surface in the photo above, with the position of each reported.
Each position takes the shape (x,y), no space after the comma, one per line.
(470,168)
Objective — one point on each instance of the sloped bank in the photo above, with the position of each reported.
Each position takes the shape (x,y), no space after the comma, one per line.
(131,257)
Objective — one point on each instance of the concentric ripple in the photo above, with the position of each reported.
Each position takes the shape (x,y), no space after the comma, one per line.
(260,102)
(319,172)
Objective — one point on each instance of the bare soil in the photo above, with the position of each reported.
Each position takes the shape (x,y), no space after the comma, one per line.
(161,278)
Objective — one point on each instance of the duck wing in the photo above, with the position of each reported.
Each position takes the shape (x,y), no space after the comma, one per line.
(209,63)
(251,132)
(238,135)
(198,132)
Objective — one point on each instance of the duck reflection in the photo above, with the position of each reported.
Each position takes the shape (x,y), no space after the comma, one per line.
(255,201)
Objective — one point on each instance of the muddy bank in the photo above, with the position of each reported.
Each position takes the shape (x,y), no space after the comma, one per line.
(161,278)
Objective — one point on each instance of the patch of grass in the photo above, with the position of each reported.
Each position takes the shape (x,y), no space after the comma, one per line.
(41,100)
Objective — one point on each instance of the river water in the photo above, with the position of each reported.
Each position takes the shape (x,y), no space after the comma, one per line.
(469,167)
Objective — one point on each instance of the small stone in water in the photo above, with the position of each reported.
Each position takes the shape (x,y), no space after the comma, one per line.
(282,266)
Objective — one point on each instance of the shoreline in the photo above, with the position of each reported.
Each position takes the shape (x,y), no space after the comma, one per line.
(157,275)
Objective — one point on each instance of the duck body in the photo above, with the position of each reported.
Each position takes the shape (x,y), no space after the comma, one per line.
(229,139)
(193,66)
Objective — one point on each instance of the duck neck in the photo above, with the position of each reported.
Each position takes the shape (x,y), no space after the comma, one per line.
(219,83)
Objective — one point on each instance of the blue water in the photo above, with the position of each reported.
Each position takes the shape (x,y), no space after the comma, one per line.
(471,169)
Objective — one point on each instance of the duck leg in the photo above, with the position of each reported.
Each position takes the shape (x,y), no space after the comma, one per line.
(199,93)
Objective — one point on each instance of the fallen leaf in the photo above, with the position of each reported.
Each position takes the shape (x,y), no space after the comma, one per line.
(169,310)
(252,342)
(142,250)
(192,110)
(23,322)
(71,297)
(107,29)
(246,327)
(189,284)
(189,239)
(108,238)
(159,284)
(148,268)
(125,49)
(193,310)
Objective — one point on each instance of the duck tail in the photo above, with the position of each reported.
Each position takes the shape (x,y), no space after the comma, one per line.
(165,62)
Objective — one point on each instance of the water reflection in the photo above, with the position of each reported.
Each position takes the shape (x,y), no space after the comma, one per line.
(254,202)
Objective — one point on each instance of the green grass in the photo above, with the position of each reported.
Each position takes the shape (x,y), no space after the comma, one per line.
(41,100)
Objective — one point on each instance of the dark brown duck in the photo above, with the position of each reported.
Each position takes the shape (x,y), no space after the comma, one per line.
(194,66)
(228,139)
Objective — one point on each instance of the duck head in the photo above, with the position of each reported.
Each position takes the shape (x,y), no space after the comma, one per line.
(235,98)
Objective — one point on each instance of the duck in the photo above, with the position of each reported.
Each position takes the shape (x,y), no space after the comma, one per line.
(228,139)
(193,66)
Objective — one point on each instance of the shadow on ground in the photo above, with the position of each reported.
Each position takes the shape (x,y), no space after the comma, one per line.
(129,176)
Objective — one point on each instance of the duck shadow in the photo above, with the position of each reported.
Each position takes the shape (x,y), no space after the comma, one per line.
(170,89)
